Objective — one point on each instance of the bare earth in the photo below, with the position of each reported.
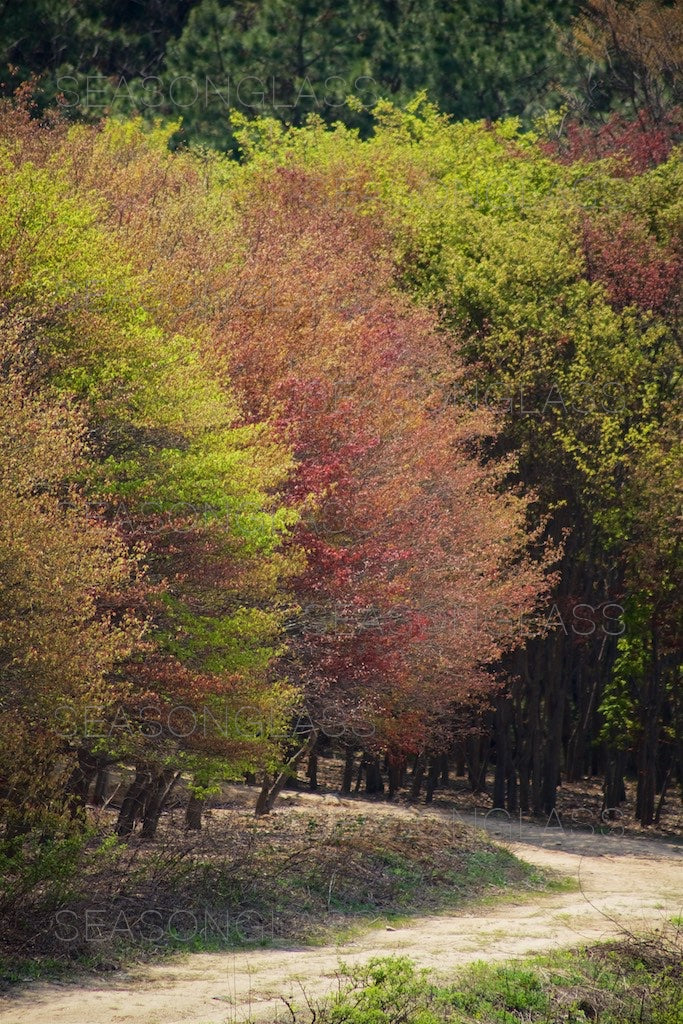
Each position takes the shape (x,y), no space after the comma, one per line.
(625,883)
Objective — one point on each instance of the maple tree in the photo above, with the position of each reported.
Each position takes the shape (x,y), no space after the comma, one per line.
(404,518)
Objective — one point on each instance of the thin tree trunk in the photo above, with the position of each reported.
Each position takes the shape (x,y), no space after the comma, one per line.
(512,791)
(418,775)
(478,748)
(432,778)
(312,770)
(78,784)
(650,713)
(614,789)
(662,795)
(347,778)
(394,767)
(193,813)
(554,721)
(101,783)
(269,794)
(499,778)
(359,774)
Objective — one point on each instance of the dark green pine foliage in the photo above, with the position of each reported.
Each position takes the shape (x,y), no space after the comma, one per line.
(290,58)
(287,58)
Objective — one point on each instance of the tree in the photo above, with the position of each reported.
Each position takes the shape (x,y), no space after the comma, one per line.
(170,467)
(287,58)
(626,102)
(61,652)
(405,527)
(636,49)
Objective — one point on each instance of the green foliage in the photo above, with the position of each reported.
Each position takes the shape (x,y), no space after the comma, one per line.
(488,229)
(615,983)
(504,242)
(39,869)
(286,58)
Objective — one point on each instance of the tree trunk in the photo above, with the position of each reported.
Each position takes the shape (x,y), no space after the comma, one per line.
(374,783)
(580,738)
(269,794)
(101,783)
(157,797)
(78,784)
(262,799)
(133,802)
(418,775)
(193,813)
(614,789)
(500,775)
(312,770)
(477,761)
(650,715)
(347,778)
(512,791)
(536,746)
(394,768)
(662,795)
(554,719)
(432,778)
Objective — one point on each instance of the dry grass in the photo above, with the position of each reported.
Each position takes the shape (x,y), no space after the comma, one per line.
(295,876)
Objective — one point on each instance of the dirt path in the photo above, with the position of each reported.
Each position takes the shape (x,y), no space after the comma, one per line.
(632,883)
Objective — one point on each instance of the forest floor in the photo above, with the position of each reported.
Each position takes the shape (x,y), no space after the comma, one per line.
(621,884)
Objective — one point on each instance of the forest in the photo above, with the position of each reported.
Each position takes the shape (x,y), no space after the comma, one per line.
(340,363)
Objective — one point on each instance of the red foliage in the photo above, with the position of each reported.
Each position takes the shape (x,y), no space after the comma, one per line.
(402,525)
(632,266)
(639,144)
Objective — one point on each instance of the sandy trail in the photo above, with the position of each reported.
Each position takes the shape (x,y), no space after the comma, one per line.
(624,883)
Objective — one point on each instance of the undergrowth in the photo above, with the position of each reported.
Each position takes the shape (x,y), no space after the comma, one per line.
(292,877)
(633,981)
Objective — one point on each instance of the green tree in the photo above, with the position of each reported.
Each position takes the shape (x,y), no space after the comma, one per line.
(171,466)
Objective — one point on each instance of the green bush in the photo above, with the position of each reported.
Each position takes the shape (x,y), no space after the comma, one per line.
(39,869)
